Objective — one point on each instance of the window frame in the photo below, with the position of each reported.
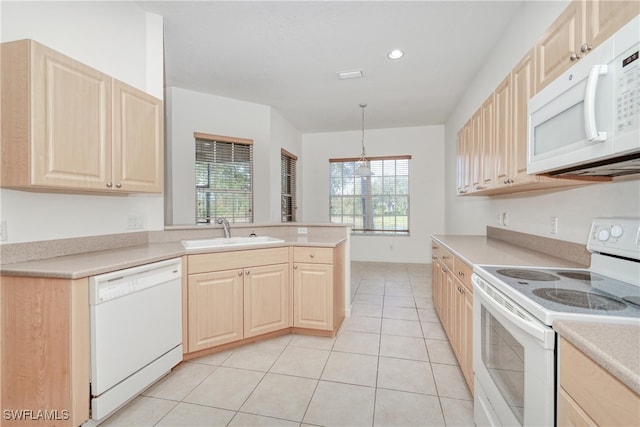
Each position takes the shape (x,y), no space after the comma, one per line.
(288,181)
(204,189)
(363,203)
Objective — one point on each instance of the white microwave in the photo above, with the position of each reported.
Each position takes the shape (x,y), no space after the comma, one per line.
(587,121)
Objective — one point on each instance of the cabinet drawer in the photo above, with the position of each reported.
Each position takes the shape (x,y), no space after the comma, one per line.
(602,396)
(201,263)
(443,254)
(313,255)
(463,273)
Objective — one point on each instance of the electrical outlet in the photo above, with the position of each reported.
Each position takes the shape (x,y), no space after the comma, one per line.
(554,225)
(3,230)
(302,230)
(135,222)
(505,218)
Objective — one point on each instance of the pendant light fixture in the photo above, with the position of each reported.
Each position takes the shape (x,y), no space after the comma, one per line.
(363,168)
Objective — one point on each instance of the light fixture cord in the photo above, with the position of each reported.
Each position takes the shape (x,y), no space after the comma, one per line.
(363,159)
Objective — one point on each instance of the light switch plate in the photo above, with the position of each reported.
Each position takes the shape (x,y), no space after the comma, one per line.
(302,230)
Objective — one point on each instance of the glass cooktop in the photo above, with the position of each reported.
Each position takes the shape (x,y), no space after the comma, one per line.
(552,294)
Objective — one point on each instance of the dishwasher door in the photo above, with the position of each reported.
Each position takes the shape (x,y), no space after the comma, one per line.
(136,321)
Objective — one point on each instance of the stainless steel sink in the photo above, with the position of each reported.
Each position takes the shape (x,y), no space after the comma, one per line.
(222,242)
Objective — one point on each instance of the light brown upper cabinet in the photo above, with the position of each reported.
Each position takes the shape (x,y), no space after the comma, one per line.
(492,145)
(581,27)
(522,89)
(69,127)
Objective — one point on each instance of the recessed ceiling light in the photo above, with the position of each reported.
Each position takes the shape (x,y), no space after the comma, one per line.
(395,54)
(353,74)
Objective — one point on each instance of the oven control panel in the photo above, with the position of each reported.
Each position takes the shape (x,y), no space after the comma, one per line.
(615,236)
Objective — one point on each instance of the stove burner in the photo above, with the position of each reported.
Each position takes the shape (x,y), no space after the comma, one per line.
(580,299)
(579,275)
(527,274)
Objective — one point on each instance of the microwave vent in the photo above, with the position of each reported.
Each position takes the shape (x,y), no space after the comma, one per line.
(619,166)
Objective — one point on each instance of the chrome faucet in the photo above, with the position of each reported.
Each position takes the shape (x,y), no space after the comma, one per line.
(225,225)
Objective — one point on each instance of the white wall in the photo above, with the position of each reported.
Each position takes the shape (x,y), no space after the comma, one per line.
(424,144)
(191,112)
(119,39)
(528,212)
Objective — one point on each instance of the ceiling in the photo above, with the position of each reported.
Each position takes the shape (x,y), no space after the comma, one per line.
(286,54)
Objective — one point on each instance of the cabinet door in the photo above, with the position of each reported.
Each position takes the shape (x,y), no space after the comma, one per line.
(503,140)
(522,89)
(436,285)
(487,144)
(475,150)
(562,39)
(605,17)
(215,308)
(266,299)
(313,295)
(570,414)
(70,122)
(465,154)
(138,140)
(448,303)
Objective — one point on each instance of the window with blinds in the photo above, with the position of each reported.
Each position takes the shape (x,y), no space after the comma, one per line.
(224,178)
(288,202)
(375,205)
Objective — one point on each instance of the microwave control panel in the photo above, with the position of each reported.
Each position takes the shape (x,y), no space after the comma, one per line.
(627,72)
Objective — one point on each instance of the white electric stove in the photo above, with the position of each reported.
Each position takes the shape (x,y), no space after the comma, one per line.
(514,344)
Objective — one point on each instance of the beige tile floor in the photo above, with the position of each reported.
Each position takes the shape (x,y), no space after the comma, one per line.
(389,365)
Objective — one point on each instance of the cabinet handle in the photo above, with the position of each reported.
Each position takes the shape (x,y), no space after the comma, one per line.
(461,273)
(248,272)
(239,273)
(311,255)
(445,256)
(479,187)
(585,48)
(574,57)
(295,267)
(118,185)
(109,184)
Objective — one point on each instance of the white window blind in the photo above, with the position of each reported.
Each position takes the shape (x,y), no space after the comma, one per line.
(288,202)
(224,178)
(377,204)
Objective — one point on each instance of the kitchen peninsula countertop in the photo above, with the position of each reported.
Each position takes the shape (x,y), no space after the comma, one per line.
(92,263)
(614,347)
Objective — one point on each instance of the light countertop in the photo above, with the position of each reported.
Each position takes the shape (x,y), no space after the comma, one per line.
(91,263)
(614,347)
(486,250)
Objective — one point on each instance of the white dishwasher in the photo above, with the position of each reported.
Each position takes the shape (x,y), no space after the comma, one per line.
(136,332)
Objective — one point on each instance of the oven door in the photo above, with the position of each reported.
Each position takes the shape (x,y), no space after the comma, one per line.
(513,361)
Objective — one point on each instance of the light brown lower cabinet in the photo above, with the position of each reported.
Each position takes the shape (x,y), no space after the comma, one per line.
(591,396)
(44,327)
(215,308)
(251,298)
(318,288)
(453,300)
(260,292)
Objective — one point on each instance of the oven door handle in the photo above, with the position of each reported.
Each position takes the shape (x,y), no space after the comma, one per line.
(519,318)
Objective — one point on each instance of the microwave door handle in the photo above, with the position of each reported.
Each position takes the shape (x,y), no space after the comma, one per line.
(590,127)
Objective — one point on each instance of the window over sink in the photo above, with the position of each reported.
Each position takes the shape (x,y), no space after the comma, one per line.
(224,178)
